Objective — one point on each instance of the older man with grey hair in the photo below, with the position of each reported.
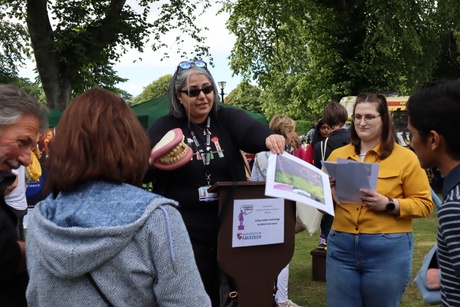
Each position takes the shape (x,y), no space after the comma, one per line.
(21,118)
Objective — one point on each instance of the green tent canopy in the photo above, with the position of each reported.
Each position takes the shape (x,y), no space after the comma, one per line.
(149,111)
(53,117)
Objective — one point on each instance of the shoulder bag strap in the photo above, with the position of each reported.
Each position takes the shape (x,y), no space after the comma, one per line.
(93,282)
(323,148)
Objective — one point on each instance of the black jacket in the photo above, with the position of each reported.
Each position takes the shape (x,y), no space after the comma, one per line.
(12,285)
(336,139)
(231,130)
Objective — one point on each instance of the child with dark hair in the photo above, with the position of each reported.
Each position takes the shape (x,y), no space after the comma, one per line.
(335,115)
(322,131)
(433,122)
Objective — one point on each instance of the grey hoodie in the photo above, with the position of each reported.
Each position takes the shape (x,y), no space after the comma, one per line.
(134,244)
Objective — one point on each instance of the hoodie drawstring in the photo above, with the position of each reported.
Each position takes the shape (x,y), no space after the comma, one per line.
(168,228)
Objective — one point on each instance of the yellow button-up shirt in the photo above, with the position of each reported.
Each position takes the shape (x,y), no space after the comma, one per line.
(400,177)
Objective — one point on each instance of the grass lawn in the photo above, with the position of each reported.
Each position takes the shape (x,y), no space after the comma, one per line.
(306,292)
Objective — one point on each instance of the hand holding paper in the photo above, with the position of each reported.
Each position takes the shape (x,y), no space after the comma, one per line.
(351,176)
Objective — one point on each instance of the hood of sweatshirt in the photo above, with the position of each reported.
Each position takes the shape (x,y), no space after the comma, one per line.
(79,231)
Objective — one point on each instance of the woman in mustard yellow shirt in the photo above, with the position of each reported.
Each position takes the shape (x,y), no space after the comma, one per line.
(370,246)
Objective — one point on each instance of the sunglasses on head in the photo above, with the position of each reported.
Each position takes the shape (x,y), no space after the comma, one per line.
(194,92)
(187,64)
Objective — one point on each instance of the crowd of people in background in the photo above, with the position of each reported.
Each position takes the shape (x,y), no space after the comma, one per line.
(99,237)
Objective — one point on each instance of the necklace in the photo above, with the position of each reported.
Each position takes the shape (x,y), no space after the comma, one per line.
(202,129)
(205,151)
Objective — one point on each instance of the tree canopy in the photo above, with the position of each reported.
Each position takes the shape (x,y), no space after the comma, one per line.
(305,53)
(76,43)
(154,90)
(301,53)
(245,96)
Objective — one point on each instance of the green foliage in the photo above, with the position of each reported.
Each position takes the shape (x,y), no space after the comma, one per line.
(245,96)
(13,38)
(99,75)
(154,90)
(306,53)
(448,65)
(302,126)
(32,88)
(78,50)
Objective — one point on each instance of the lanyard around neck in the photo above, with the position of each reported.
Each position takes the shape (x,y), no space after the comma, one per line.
(205,153)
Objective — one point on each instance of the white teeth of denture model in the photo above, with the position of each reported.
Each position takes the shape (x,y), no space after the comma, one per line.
(171,152)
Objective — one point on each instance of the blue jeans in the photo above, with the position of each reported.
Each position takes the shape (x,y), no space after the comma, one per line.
(369,270)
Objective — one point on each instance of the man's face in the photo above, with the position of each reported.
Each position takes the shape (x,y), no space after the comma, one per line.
(421,148)
(16,142)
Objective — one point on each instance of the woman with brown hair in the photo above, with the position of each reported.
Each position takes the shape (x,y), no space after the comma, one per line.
(99,237)
(370,245)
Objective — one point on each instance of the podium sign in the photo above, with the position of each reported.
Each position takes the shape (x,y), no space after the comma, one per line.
(260,222)
(253,269)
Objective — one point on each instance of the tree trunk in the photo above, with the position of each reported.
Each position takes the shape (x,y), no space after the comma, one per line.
(57,68)
(41,36)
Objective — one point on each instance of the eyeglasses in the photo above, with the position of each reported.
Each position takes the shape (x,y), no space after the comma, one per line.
(187,64)
(367,118)
(194,92)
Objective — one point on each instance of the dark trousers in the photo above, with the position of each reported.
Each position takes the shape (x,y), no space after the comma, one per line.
(326,224)
(20,226)
(216,283)
(206,261)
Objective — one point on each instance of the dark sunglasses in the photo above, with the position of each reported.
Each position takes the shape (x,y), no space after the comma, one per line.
(187,64)
(194,92)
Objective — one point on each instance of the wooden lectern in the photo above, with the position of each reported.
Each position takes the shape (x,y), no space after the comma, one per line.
(253,269)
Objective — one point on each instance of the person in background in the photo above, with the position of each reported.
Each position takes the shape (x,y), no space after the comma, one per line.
(40,151)
(282,125)
(303,140)
(99,238)
(21,119)
(309,136)
(437,180)
(34,169)
(285,126)
(48,141)
(17,200)
(370,245)
(215,134)
(335,115)
(322,131)
(299,151)
(433,123)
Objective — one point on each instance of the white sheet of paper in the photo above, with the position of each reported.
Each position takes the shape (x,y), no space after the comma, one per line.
(258,222)
(330,168)
(350,176)
(292,178)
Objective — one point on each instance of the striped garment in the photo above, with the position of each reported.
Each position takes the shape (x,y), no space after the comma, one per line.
(449,240)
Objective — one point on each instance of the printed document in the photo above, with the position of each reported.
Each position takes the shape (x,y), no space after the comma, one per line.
(292,178)
(350,176)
